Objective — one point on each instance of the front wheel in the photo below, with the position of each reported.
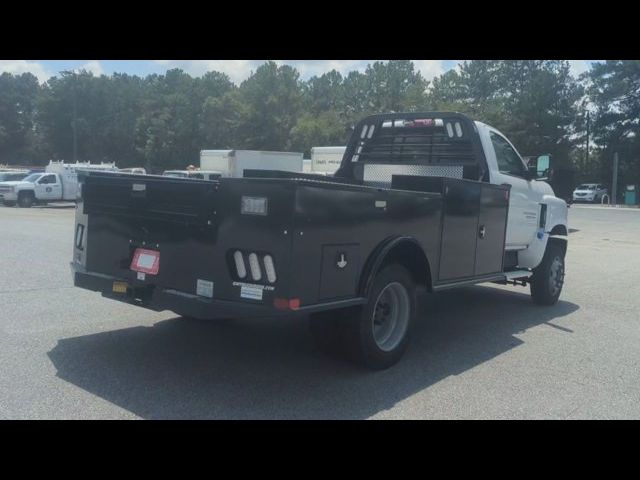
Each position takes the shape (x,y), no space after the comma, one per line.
(548,277)
(26,200)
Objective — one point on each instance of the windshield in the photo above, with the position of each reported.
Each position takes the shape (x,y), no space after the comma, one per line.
(32,178)
(586,187)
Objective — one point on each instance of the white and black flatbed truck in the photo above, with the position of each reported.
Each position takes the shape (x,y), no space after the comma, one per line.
(433,199)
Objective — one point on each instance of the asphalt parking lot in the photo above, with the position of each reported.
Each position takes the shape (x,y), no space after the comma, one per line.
(480,352)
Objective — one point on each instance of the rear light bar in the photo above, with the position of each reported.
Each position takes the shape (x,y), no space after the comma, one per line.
(252,260)
(418,122)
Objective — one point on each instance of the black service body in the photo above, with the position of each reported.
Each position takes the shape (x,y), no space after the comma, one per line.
(327,235)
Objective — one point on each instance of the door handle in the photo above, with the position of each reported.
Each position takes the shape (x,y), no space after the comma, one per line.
(482,231)
(506,185)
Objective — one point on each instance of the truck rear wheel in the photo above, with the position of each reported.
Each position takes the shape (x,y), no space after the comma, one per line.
(548,277)
(26,199)
(375,335)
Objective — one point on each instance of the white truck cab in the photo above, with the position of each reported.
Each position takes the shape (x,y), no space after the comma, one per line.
(535,213)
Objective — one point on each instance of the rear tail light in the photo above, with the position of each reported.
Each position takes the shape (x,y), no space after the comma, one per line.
(239,261)
(257,265)
(256,274)
(269,268)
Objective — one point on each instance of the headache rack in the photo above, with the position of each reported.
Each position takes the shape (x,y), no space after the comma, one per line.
(421,145)
(439,144)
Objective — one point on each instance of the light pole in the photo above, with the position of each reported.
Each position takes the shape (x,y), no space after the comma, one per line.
(75,135)
(586,158)
(74,112)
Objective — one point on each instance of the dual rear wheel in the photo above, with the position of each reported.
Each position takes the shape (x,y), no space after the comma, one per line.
(376,334)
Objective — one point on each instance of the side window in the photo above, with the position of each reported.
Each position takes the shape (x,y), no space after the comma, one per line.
(47,179)
(508,160)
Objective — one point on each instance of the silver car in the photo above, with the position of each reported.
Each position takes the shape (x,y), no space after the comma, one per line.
(589,192)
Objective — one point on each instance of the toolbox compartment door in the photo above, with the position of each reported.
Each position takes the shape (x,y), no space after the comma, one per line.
(494,204)
(474,223)
(459,226)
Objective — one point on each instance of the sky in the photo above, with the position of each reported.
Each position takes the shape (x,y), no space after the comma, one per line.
(238,70)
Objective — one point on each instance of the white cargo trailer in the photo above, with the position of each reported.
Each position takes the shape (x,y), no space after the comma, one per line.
(232,163)
(326,159)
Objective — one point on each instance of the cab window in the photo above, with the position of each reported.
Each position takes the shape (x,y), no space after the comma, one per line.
(47,179)
(508,160)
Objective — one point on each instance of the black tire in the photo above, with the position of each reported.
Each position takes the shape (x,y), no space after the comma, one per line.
(26,200)
(595,199)
(548,277)
(8,203)
(375,335)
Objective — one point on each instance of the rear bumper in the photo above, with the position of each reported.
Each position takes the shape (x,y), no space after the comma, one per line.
(159,299)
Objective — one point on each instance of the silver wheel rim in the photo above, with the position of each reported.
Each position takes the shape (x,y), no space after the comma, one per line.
(391,316)
(556,276)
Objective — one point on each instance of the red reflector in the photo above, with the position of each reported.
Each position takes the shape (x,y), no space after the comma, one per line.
(286,304)
(294,303)
(146,261)
(281,303)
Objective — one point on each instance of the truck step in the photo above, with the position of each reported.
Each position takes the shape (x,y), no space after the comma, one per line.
(517,274)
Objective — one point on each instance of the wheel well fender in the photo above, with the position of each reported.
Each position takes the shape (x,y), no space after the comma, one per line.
(559,236)
(403,250)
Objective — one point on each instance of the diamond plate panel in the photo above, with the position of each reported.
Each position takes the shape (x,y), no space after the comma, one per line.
(380,175)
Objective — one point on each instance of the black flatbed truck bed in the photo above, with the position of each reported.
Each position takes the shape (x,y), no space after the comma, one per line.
(328,237)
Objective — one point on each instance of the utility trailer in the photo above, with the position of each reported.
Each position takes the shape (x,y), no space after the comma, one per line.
(326,160)
(232,163)
(420,199)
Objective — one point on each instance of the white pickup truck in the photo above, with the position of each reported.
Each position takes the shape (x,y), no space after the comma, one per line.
(59,182)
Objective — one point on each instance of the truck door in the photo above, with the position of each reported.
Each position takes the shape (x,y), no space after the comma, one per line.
(522,221)
(48,187)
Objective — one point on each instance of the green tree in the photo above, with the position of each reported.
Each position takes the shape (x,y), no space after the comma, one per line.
(18,97)
(272,101)
(614,91)
(315,130)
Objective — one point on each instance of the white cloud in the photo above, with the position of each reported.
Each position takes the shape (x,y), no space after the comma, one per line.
(238,70)
(310,68)
(579,66)
(430,68)
(93,66)
(17,67)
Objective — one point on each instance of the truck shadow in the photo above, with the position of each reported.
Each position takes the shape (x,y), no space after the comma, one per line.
(182,368)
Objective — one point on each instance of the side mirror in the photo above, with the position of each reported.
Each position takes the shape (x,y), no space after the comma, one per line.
(539,168)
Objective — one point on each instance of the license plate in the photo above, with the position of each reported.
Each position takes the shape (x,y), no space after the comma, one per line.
(146,261)
(119,287)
